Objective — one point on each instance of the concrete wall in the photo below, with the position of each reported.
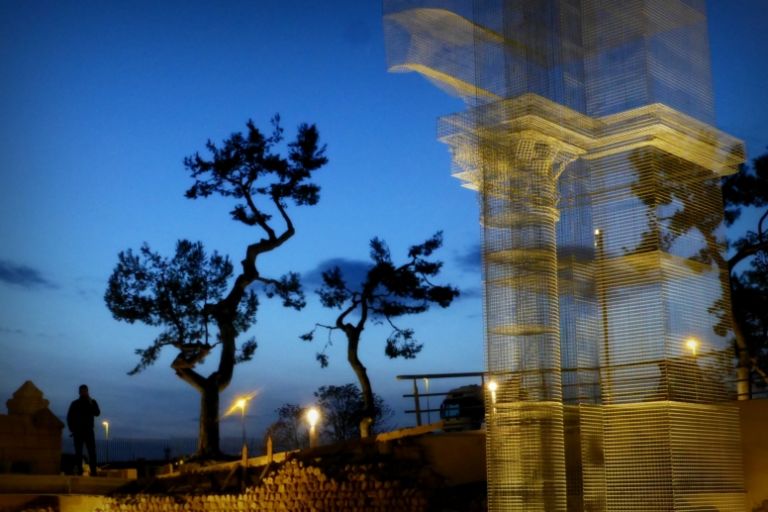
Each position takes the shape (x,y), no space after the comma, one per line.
(459,457)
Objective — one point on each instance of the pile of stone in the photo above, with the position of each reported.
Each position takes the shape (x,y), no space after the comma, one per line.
(294,486)
(299,487)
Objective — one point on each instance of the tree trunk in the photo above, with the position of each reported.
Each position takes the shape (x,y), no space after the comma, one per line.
(744,364)
(365,386)
(208,439)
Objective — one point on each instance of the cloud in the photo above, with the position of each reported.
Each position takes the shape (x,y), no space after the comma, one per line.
(89,288)
(10,330)
(470,260)
(24,276)
(354,272)
(471,292)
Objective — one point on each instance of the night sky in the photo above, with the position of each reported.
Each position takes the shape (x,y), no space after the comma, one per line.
(100,102)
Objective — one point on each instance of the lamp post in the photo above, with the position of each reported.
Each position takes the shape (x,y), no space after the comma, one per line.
(600,277)
(694,373)
(241,403)
(313,416)
(105,424)
(492,387)
(693,345)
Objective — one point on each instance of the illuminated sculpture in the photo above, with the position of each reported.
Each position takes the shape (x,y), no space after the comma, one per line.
(588,136)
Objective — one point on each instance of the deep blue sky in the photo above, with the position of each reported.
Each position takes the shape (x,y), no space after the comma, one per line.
(100,101)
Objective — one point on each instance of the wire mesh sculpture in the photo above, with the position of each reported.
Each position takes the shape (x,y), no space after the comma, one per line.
(588,135)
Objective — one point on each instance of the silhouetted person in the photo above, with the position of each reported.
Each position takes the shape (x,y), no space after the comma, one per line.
(80,423)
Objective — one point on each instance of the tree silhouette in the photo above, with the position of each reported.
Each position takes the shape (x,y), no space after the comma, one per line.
(289,431)
(746,189)
(749,288)
(387,293)
(341,407)
(186,294)
(173,293)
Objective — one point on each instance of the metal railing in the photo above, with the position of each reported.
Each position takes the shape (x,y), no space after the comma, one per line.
(426,394)
(572,392)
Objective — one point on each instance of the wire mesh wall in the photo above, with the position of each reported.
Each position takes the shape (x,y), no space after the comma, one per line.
(587,135)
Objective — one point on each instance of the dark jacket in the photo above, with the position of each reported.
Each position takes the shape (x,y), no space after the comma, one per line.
(81,414)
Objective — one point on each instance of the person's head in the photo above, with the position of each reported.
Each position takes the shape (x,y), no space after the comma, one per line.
(83,390)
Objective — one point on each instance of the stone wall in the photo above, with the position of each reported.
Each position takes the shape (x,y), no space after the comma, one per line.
(30,434)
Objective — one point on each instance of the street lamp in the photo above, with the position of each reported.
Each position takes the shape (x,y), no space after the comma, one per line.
(105,424)
(492,387)
(241,403)
(313,416)
(692,344)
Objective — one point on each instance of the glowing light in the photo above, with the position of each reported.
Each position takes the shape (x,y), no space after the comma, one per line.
(492,387)
(692,344)
(313,416)
(240,404)
(550,303)
(105,424)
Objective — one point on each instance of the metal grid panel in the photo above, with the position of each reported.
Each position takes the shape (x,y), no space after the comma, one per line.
(586,136)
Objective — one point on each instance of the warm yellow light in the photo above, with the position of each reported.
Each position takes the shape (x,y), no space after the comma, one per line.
(597,232)
(492,387)
(105,423)
(313,416)
(240,404)
(692,344)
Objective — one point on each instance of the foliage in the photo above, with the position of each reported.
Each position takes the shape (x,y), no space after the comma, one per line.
(749,286)
(343,409)
(185,294)
(245,167)
(678,206)
(387,293)
(175,294)
(289,431)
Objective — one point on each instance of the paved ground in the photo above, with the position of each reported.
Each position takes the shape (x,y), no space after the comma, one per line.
(58,484)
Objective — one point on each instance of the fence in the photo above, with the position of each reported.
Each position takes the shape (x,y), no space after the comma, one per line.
(128,450)
(426,395)
(573,390)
